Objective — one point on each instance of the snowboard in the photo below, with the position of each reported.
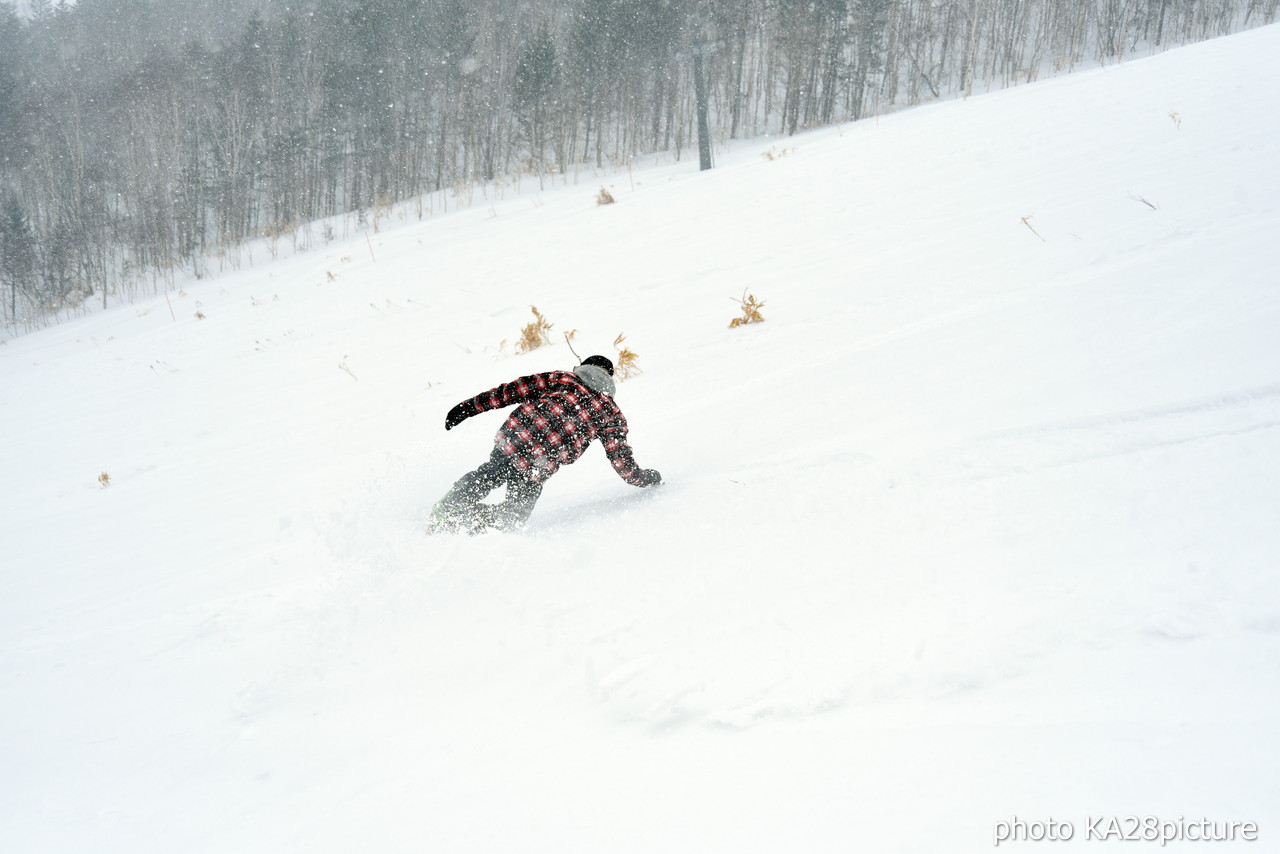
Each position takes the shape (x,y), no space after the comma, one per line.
(445,519)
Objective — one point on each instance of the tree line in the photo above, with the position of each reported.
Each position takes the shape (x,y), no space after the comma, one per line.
(139,138)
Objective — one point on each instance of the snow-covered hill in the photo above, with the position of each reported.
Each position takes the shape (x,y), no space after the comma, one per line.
(980,523)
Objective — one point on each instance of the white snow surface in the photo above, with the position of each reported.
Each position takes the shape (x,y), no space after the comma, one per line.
(980,523)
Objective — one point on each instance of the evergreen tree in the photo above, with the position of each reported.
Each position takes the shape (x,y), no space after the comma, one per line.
(537,83)
(17,252)
(10,89)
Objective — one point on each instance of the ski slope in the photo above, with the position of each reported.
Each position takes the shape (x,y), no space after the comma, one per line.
(979,524)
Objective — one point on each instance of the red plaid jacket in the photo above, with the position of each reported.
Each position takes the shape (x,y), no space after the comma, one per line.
(558,417)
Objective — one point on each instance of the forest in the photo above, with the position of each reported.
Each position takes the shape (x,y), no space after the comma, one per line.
(145,139)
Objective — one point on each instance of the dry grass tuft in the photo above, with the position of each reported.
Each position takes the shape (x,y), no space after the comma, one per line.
(750,311)
(1026,220)
(104,480)
(536,333)
(625,363)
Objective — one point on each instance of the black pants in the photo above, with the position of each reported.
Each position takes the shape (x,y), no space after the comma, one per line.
(472,488)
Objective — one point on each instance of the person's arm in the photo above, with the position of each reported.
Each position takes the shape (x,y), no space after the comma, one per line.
(516,391)
(622,458)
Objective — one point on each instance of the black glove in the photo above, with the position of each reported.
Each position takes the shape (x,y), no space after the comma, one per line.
(650,477)
(457,415)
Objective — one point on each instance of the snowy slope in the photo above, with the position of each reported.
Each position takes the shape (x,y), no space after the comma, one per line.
(979,524)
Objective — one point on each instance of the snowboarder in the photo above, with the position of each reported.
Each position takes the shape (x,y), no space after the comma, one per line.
(559,415)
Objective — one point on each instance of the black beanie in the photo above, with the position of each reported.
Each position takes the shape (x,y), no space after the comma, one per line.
(599,362)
